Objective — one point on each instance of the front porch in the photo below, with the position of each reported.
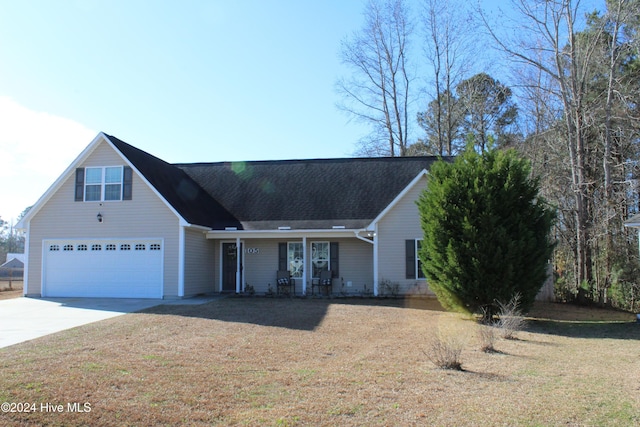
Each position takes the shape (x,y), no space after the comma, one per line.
(251,260)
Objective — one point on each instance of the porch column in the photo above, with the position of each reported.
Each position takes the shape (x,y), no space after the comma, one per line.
(238,272)
(304,266)
(375,261)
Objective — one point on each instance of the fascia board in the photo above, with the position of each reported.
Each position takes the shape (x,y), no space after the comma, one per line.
(101,137)
(280,234)
(61,179)
(397,199)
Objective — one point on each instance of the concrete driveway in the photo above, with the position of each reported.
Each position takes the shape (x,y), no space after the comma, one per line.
(23,319)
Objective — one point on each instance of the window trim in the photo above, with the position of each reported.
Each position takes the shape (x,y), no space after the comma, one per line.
(103,183)
(412,260)
(419,272)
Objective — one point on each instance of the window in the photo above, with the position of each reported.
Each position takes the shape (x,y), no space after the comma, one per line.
(103,184)
(324,256)
(54,248)
(93,184)
(154,247)
(82,247)
(140,247)
(295,259)
(113,183)
(125,247)
(419,272)
(319,258)
(414,265)
(96,247)
(67,248)
(110,247)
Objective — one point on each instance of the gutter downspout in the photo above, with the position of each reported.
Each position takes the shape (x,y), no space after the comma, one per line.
(364,239)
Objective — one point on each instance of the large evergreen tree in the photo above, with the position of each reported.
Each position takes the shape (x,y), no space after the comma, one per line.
(486,231)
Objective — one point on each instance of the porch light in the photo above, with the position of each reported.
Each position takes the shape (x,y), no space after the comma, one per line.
(99,216)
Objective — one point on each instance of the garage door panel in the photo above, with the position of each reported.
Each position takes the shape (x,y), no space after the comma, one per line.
(115,268)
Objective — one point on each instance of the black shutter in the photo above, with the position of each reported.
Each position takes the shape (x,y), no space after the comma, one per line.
(282,256)
(127,183)
(410,251)
(79,196)
(334,260)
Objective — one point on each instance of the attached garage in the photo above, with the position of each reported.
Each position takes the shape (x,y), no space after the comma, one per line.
(111,268)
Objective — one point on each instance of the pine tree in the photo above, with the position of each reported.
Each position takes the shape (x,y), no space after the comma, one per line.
(486,231)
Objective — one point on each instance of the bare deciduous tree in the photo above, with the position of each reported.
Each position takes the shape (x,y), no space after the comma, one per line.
(378,90)
(547,42)
(448,46)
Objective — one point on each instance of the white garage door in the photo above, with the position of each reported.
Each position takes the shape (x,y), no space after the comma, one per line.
(114,268)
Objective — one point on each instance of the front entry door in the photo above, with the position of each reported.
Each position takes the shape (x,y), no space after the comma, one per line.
(230,266)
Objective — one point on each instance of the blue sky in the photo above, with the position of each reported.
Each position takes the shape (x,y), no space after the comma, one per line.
(187,81)
(184,80)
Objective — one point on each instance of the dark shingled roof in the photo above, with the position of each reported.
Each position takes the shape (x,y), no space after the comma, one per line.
(184,194)
(263,195)
(309,194)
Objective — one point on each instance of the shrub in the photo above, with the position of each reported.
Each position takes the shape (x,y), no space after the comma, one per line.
(445,352)
(487,335)
(510,318)
(486,231)
(387,287)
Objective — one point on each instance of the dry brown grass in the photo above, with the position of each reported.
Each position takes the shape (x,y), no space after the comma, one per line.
(277,362)
(10,290)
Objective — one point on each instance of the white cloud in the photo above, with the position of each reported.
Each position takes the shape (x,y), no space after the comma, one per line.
(35,148)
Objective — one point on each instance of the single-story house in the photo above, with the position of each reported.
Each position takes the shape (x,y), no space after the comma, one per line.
(13,267)
(122,223)
(13,263)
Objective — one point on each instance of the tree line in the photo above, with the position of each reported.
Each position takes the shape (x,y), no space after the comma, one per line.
(11,239)
(567,100)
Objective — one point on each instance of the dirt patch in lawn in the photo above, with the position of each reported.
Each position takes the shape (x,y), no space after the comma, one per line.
(260,361)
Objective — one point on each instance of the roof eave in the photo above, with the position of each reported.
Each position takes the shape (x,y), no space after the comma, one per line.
(283,234)
(397,199)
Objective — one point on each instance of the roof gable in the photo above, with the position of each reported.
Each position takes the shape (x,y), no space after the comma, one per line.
(60,181)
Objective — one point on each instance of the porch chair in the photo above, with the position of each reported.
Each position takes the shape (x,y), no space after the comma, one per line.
(284,281)
(324,282)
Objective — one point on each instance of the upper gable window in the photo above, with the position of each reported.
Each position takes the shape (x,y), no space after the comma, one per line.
(103,184)
(98,184)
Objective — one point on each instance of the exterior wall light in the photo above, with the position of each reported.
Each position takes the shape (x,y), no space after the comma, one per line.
(99,217)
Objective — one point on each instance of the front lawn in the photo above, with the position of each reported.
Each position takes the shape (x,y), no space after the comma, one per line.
(284,362)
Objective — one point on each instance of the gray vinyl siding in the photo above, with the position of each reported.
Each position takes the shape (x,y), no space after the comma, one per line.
(199,264)
(144,216)
(356,266)
(261,265)
(401,223)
